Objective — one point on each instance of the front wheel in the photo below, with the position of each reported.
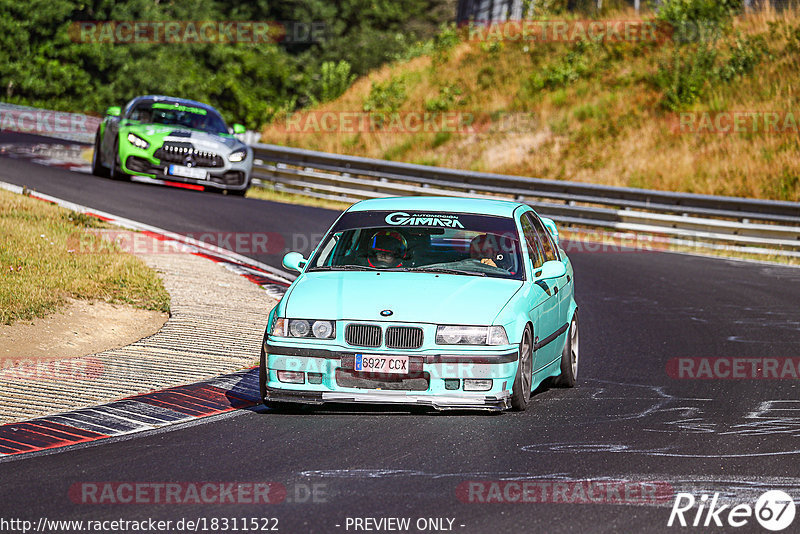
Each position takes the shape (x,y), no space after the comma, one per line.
(116,170)
(521,392)
(97,159)
(569,357)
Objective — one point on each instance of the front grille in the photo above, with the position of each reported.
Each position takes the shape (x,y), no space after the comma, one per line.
(403,337)
(363,335)
(179,152)
(347,378)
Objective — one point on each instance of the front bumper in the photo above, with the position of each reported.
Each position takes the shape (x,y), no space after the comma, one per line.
(431,382)
(232,176)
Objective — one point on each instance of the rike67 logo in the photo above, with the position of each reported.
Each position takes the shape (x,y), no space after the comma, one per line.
(774,510)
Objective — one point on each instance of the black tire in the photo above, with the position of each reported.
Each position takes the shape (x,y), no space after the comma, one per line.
(521,392)
(116,171)
(238,192)
(97,159)
(569,357)
(262,375)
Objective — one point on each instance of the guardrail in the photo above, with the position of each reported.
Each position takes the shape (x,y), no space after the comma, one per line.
(76,127)
(749,225)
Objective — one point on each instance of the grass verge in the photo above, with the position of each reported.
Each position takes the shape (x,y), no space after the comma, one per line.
(40,269)
(270,193)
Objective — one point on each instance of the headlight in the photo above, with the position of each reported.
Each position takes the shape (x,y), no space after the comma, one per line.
(471,335)
(322,329)
(304,328)
(239,155)
(137,141)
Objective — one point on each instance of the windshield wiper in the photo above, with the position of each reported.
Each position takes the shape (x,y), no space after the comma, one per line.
(447,271)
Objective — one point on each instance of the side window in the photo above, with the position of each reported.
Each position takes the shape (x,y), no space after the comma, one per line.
(549,246)
(532,240)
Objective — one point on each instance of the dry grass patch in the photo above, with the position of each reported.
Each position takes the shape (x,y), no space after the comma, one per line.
(41,264)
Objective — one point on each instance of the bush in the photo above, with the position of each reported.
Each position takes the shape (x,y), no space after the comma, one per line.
(683,78)
(447,98)
(336,78)
(698,20)
(386,97)
(569,68)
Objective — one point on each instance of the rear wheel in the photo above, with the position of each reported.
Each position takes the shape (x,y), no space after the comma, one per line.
(97,159)
(521,392)
(569,357)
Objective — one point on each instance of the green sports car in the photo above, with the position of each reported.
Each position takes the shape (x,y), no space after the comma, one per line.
(172,141)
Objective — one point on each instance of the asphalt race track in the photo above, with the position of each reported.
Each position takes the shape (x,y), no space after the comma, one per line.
(629,421)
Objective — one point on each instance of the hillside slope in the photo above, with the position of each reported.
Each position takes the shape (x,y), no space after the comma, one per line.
(714,115)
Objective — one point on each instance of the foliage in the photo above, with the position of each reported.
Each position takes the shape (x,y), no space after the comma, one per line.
(698,62)
(447,99)
(386,96)
(45,63)
(336,78)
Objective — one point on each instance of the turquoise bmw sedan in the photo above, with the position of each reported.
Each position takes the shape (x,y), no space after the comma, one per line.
(425,301)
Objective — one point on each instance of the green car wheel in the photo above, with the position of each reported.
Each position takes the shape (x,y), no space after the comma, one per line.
(97,159)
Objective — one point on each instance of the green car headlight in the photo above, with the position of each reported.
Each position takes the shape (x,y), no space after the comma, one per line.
(471,335)
(239,155)
(137,141)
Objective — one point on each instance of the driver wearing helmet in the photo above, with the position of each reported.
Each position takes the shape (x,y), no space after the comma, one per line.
(387,249)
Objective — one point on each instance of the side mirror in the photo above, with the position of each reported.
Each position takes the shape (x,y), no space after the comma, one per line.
(551,227)
(550,269)
(114,111)
(294,261)
(239,129)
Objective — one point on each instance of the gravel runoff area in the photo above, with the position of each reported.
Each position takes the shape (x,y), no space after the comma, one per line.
(216,325)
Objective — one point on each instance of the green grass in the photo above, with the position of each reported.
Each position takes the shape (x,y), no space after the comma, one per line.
(40,266)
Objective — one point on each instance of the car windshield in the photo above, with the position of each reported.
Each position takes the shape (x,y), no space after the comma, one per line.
(451,243)
(175,113)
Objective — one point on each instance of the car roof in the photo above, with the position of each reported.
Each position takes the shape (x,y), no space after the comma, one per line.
(171,99)
(499,208)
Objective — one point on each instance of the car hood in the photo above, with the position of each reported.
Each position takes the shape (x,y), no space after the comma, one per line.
(412,297)
(158,133)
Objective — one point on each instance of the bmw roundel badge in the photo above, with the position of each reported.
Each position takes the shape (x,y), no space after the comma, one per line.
(386,313)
